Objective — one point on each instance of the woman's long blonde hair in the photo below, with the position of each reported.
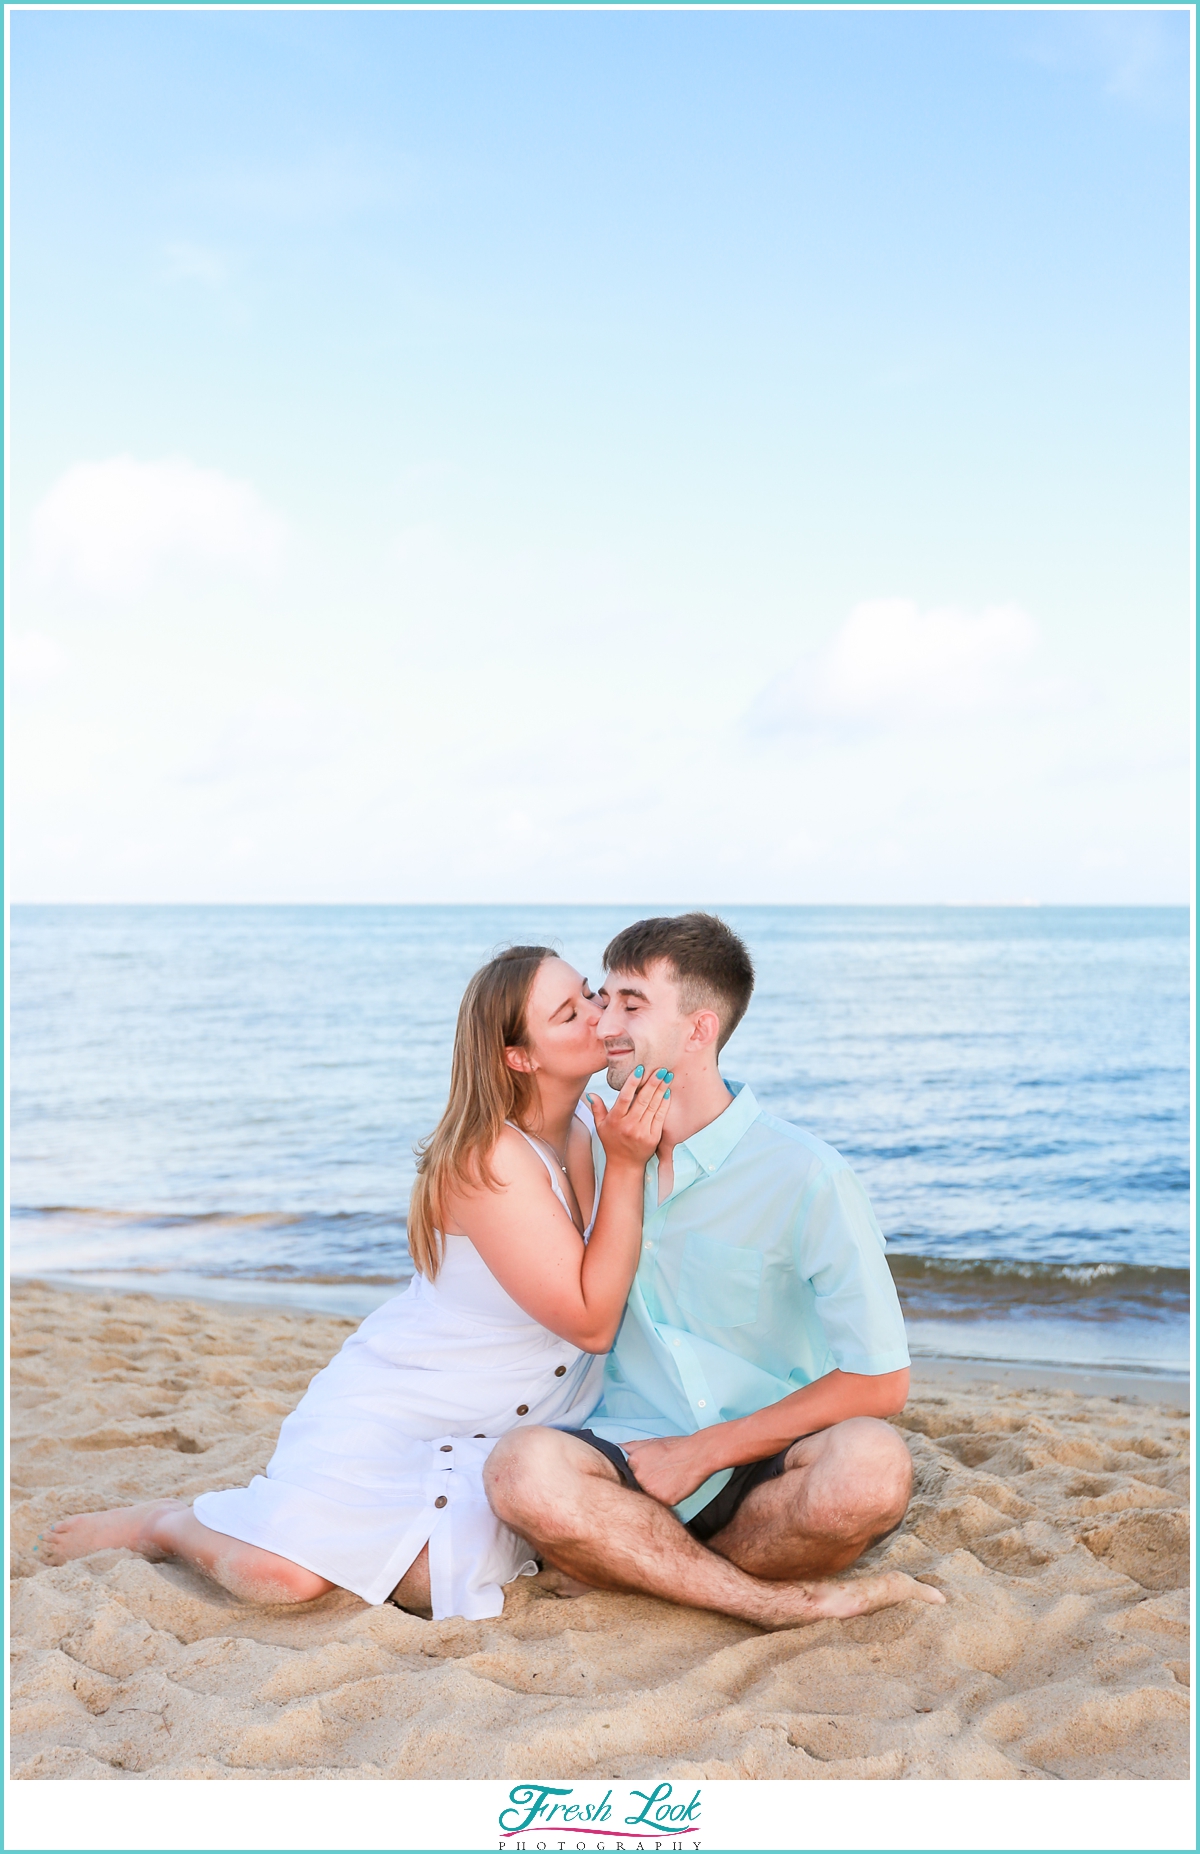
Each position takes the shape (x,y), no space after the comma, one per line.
(484,1093)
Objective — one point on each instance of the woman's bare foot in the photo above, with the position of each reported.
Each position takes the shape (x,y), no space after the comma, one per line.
(803,1603)
(130,1526)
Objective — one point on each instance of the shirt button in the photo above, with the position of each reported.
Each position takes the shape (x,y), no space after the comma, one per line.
(699,1403)
(560,1371)
(447,1448)
(441,1500)
(522,1409)
(675,1342)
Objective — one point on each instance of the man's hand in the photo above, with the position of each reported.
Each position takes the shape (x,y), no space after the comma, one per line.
(671,1467)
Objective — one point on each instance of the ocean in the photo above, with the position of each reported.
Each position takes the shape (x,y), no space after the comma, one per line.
(224,1099)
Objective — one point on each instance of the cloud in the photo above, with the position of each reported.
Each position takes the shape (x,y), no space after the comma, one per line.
(332,183)
(890,665)
(1139,56)
(34,662)
(109,527)
(273,739)
(194,263)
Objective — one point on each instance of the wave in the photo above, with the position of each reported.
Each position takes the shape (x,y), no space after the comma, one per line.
(995,1282)
(368,1248)
(266,1277)
(219,1219)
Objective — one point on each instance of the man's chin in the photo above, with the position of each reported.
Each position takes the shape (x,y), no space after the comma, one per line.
(619,1072)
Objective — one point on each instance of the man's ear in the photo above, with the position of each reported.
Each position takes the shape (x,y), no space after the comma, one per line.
(706,1029)
(520,1060)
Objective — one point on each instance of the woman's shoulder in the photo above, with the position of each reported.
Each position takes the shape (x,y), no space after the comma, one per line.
(511,1161)
(515,1149)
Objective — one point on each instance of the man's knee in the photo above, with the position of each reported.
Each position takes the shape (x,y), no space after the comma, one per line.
(520,1474)
(543,1483)
(865,1480)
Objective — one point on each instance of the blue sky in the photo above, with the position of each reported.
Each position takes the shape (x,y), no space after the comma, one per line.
(600,456)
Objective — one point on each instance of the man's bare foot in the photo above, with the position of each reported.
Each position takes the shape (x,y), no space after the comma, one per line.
(558,1584)
(799,1604)
(130,1526)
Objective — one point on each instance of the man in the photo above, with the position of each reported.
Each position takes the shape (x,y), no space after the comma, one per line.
(738,1454)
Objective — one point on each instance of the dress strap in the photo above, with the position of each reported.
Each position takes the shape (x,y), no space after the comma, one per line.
(554,1184)
(584,1114)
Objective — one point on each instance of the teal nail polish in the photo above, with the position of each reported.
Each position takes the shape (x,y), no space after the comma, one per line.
(670,1075)
(662,1075)
(639,1071)
(666,1094)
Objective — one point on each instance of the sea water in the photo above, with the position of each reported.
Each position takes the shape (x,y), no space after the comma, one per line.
(227,1098)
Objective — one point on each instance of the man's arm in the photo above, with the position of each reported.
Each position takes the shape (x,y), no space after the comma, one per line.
(673,1467)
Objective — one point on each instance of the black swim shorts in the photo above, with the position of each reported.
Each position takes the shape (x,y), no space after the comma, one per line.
(712,1518)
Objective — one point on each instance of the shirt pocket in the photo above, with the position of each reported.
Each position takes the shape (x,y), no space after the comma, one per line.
(718,1283)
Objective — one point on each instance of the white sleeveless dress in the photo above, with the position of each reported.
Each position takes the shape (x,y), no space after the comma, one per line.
(385,1450)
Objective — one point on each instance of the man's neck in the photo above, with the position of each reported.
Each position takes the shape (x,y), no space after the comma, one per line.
(696,1101)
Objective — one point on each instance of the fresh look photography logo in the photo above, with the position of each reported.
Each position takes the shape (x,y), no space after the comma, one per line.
(560,1816)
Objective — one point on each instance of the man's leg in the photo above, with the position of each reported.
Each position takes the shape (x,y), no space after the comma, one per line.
(842,1489)
(568,1501)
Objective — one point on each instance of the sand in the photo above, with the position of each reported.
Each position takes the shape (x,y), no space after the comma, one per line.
(1056,1523)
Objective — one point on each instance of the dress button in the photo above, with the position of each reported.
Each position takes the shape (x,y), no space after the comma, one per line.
(560,1371)
(441,1500)
(447,1448)
(522,1409)
(479,1438)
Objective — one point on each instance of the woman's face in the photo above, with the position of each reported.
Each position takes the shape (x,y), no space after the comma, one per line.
(561,1021)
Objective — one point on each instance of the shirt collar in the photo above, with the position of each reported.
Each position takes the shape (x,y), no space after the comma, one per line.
(712,1145)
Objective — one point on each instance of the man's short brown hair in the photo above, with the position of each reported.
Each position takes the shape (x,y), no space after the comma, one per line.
(709,962)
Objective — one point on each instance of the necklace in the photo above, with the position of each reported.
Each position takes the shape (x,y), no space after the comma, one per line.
(541,1138)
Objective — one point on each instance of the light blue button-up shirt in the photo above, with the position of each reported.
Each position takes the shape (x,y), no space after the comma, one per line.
(761,1272)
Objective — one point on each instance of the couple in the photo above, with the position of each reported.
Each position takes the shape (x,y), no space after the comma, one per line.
(729,1451)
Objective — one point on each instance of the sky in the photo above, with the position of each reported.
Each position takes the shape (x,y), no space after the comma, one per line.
(599,456)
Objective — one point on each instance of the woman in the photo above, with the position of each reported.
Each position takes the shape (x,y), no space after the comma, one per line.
(376,1481)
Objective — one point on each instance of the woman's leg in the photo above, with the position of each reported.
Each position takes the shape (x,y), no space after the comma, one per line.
(169,1529)
(412,1592)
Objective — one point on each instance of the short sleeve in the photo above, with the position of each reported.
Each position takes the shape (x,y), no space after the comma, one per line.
(838,1249)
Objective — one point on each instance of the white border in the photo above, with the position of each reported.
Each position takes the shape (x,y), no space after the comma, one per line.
(849,1814)
(846,1815)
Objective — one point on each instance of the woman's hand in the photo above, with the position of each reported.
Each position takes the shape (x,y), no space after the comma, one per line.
(529,1242)
(631,1128)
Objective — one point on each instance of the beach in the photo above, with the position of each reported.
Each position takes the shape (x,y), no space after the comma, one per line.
(1051,1511)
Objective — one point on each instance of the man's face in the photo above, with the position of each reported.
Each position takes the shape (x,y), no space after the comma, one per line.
(641,1022)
